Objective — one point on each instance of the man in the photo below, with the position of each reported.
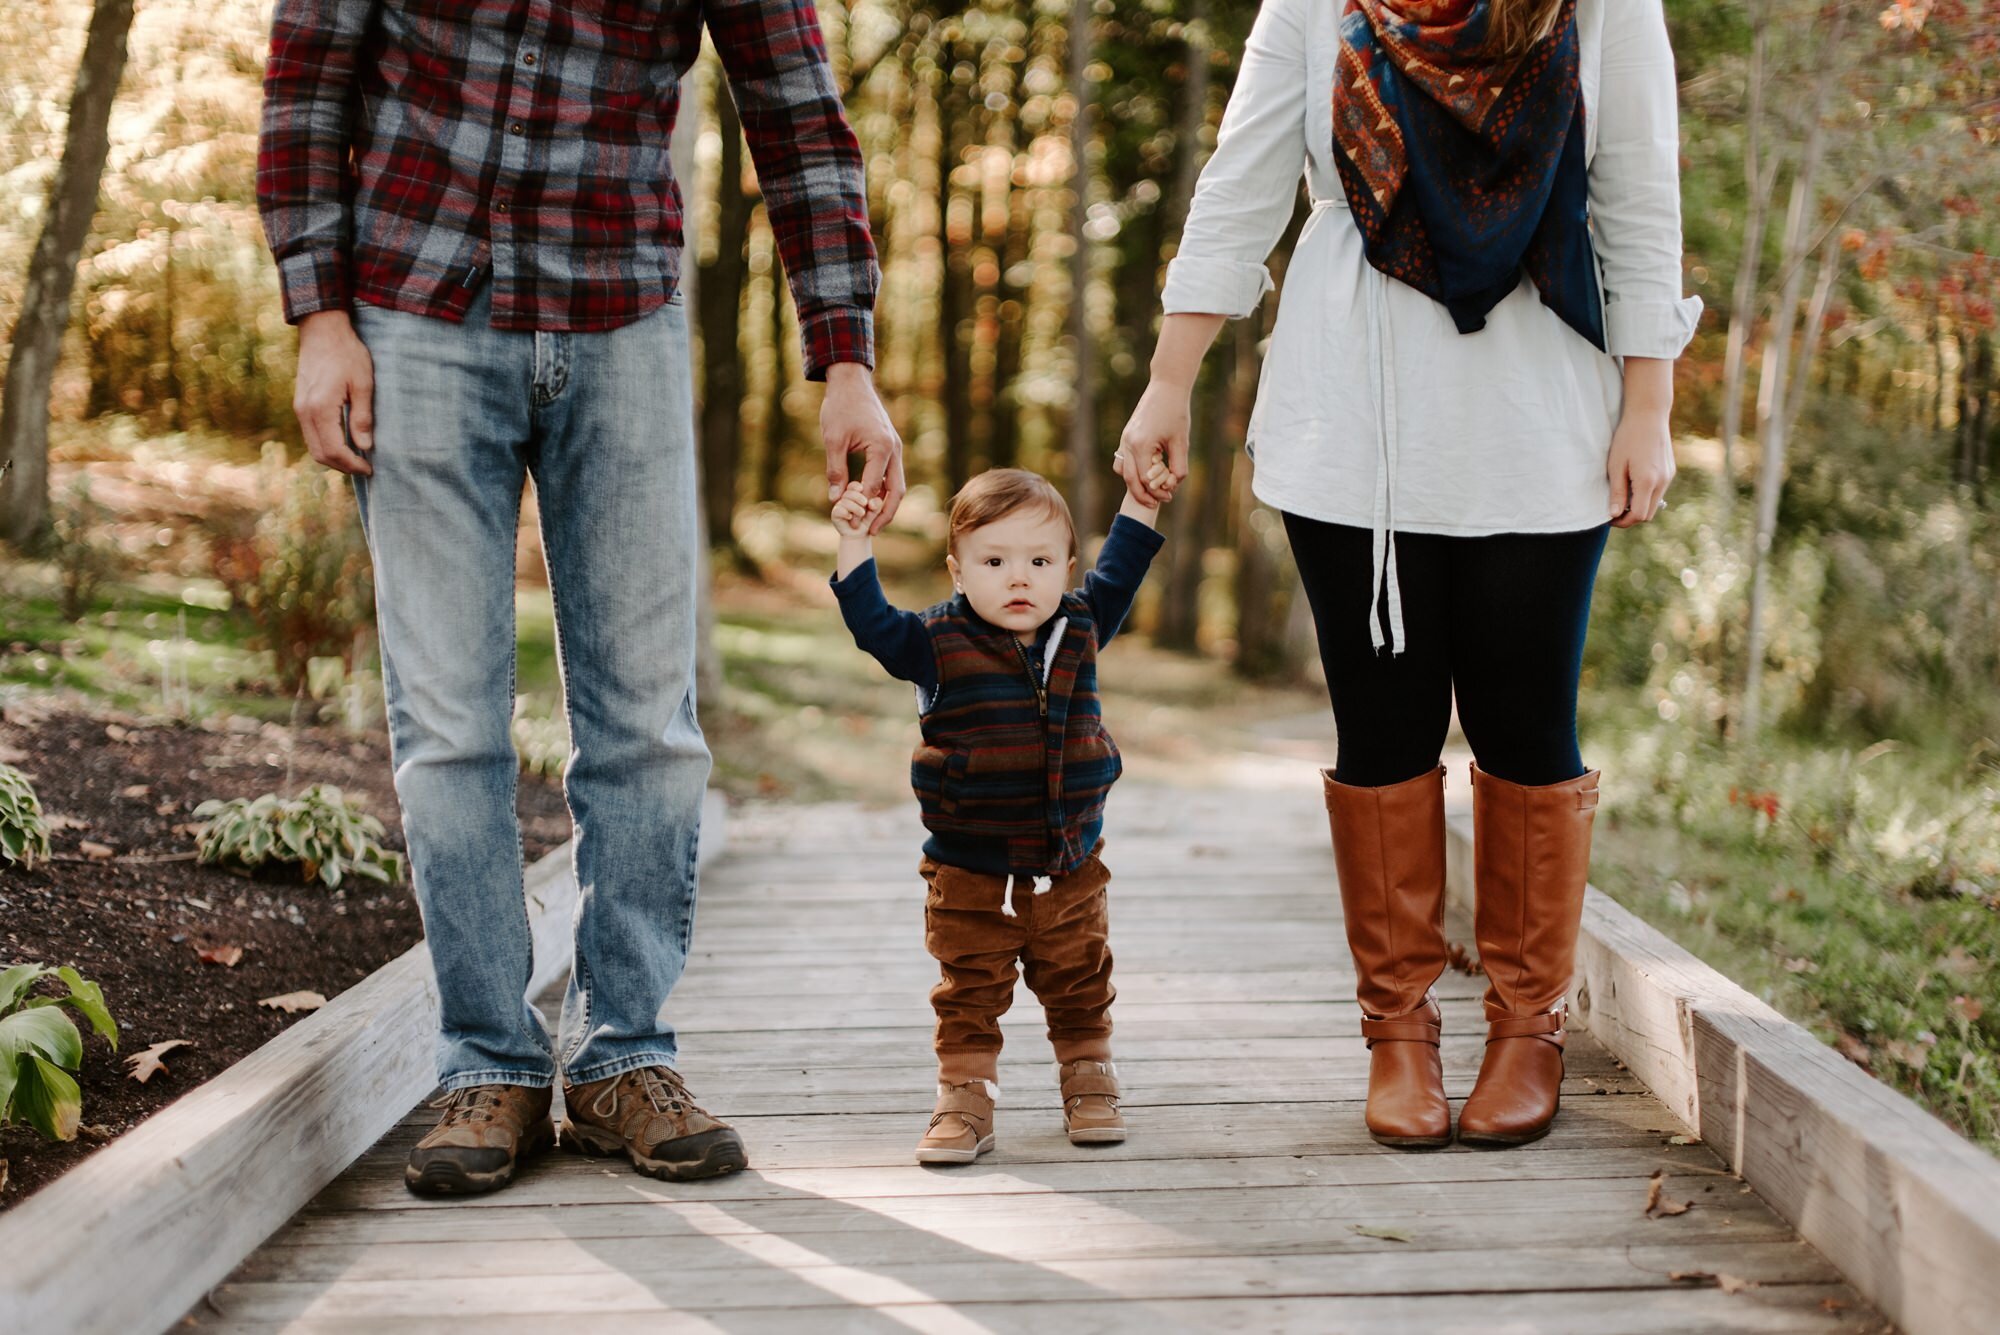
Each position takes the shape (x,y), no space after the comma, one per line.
(478,232)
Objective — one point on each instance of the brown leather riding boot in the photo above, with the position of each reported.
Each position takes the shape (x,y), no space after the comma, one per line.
(1388,845)
(1531,860)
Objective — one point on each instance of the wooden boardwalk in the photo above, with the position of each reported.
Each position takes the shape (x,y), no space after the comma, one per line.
(1248,1197)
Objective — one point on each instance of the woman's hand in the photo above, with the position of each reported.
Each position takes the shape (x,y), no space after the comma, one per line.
(1641,461)
(1157,433)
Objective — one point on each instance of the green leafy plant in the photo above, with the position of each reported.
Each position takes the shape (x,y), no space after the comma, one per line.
(41,1050)
(24,834)
(84,557)
(327,836)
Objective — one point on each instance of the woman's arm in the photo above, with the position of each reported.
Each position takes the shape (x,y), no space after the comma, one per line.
(1245,196)
(1635,206)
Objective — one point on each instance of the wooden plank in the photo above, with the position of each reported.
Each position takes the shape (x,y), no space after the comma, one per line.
(779,1270)
(173,1204)
(1823,1309)
(1907,1209)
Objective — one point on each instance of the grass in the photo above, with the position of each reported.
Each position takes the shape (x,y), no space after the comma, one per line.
(1855,890)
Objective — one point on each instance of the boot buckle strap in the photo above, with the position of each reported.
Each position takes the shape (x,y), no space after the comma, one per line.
(1548,1025)
(1090,1082)
(1400,1031)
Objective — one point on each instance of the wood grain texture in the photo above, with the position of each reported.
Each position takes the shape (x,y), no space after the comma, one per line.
(174,1204)
(1898,1202)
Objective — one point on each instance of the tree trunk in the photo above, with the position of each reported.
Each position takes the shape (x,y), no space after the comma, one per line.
(1083,443)
(721,317)
(45,298)
(1759,178)
(1829,269)
(1773,378)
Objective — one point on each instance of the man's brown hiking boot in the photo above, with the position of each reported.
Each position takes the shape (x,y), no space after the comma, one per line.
(962,1124)
(485,1132)
(648,1115)
(1090,1103)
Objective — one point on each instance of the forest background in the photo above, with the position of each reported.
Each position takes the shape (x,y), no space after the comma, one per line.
(1794,675)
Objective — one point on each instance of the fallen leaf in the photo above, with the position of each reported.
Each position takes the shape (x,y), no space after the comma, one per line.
(1833,1305)
(293,1002)
(3,1175)
(1729,1283)
(144,1064)
(1659,1206)
(136,790)
(1386,1234)
(116,733)
(1957,961)
(95,1131)
(1458,958)
(166,808)
(97,852)
(1855,1050)
(58,821)
(1801,965)
(1967,1009)
(226,956)
(1683,1140)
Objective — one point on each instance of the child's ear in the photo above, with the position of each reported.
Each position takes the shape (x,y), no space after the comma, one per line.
(951,564)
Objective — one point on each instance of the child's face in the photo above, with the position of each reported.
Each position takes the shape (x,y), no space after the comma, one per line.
(1014,570)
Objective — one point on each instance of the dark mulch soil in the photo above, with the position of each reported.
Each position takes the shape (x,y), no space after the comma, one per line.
(135,926)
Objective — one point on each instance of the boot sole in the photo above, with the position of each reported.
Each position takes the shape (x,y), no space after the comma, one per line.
(955,1156)
(1412,1142)
(1492,1140)
(714,1153)
(445,1178)
(1098,1135)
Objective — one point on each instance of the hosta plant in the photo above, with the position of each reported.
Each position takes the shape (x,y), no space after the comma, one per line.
(320,831)
(24,834)
(41,1050)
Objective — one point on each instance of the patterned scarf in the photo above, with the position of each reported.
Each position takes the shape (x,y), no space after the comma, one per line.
(1462,165)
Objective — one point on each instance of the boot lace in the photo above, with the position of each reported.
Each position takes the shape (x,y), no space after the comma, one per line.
(479,1103)
(664,1090)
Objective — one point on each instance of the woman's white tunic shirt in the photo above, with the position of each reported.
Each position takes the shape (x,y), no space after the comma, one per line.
(1372,409)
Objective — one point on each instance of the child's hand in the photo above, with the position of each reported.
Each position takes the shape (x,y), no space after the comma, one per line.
(854,511)
(1155,476)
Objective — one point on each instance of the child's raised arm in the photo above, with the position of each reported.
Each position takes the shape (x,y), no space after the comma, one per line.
(896,638)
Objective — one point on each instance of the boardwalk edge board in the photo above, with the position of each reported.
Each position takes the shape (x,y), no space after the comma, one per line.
(135,1235)
(1903,1206)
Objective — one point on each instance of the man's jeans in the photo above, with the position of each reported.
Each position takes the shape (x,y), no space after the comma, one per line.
(603,423)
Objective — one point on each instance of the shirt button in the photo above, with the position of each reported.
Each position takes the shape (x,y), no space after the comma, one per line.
(500,206)
(528,58)
(515,128)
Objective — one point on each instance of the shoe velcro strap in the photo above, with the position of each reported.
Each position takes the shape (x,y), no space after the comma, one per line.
(1085,1083)
(1548,1025)
(1400,1031)
(962,1100)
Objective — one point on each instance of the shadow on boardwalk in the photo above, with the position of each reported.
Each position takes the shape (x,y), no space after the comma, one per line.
(1248,1197)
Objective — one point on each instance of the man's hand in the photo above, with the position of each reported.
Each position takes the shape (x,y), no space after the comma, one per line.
(1157,433)
(336,379)
(1155,477)
(852,420)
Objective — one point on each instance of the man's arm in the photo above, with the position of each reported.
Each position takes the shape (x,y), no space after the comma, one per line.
(302,151)
(815,189)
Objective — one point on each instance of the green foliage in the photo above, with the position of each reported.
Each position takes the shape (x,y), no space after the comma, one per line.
(41,1051)
(320,831)
(24,834)
(84,556)
(300,569)
(1856,890)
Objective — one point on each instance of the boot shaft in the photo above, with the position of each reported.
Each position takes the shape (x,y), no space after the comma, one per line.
(1531,862)
(1388,848)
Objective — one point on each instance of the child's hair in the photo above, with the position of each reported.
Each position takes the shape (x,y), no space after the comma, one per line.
(999,492)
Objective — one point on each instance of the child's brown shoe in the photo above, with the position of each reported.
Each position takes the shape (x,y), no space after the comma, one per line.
(962,1124)
(1090,1103)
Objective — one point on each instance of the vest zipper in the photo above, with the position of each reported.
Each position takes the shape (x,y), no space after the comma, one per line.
(1041,688)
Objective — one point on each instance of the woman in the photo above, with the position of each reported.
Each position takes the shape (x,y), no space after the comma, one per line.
(1467,388)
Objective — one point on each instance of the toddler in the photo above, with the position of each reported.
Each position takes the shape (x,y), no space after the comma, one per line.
(1011,773)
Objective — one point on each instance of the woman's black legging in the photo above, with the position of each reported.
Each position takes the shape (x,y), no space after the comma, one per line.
(1498,621)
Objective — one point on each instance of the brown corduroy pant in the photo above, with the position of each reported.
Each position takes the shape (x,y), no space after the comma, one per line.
(982,928)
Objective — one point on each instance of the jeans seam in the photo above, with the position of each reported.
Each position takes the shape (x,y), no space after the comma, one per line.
(498,1076)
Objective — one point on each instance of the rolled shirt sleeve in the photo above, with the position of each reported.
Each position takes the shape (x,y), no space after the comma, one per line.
(1635,196)
(1249,186)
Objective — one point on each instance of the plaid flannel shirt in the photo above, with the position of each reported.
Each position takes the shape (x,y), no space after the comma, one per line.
(412,150)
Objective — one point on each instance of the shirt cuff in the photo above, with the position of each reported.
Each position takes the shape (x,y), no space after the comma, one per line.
(1650,328)
(312,281)
(1198,285)
(837,334)
(862,579)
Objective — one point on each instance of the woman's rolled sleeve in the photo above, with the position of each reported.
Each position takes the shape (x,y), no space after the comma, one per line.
(1635,196)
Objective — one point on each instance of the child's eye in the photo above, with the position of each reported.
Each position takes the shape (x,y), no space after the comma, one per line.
(1041,560)
(993,561)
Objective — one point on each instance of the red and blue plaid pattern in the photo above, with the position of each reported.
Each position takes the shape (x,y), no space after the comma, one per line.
(1464,164)
(413,150)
